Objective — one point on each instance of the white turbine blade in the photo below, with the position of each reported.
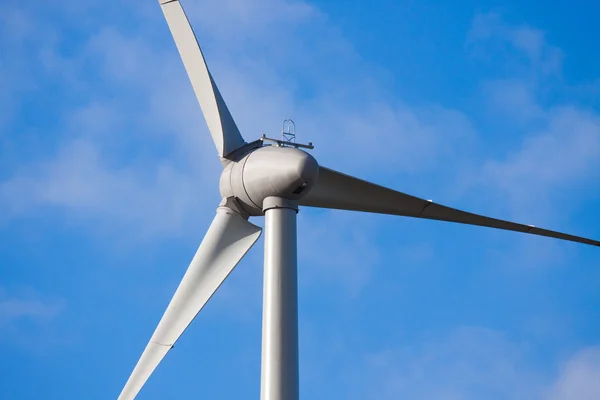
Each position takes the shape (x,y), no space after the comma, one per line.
(222,128)
(227,240)
(339,191)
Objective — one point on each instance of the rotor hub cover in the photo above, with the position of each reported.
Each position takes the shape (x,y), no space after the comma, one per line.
(285,172)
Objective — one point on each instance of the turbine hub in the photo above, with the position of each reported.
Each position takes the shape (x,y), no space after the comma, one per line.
(285,172)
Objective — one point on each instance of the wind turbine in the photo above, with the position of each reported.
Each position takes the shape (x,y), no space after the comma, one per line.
(270,180)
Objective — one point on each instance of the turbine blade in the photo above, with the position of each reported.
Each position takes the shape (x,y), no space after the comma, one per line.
(223,129)
(339,191)
(227,240)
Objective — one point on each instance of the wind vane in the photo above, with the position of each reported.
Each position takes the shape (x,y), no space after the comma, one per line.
(288,137)
(288,131)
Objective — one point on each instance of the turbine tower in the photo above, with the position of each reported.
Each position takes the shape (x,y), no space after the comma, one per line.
(271,180)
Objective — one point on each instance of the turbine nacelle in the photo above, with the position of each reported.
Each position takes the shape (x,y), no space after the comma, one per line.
(270,171)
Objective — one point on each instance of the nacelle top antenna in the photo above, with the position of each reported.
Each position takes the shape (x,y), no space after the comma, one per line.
(288,131)
(288,137)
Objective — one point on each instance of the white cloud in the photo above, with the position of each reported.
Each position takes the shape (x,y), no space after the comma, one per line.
(230,18)
(579,378)
(33,322)
(491,36)
(78,180)
(515,99)
(465,363)
(559,142)
(468,363)
(540,178)
(26,306)
(14,309)
(565,150)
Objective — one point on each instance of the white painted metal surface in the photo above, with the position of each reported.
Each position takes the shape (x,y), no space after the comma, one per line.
(222,128)
(279,365)
(228,239)
(269,171)
(343,192)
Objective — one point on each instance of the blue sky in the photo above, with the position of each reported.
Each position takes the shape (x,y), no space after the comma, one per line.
(109,179)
